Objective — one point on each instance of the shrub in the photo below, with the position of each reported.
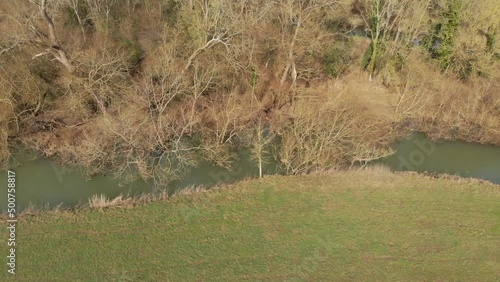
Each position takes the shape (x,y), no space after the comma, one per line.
(170,12)
(337,58)
(441,42)
(133,50)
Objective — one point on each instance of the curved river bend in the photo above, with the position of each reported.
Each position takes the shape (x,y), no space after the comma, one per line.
(419,154)
(43,182)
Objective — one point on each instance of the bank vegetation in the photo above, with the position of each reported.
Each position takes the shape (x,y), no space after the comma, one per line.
(149,88)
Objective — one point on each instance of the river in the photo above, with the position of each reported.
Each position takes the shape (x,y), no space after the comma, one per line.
(44,183)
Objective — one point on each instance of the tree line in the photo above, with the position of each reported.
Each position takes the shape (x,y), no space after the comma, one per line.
(150,86)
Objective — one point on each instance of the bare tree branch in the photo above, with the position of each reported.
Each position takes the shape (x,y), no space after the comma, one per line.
(211,42)
(54,47)
(40,54)
(5,50)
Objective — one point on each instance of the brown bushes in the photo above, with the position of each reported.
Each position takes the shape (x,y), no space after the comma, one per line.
(331,129)
(157,86)
(446,107)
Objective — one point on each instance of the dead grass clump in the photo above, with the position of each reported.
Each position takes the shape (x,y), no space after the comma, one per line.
(190,190)
(101,201)
(377,169)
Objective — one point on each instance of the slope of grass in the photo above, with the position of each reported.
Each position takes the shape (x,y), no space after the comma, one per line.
(343,226)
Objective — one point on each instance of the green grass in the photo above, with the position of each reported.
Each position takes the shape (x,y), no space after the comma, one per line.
(348,226)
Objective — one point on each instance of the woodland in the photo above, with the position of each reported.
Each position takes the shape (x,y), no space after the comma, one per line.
(148,88)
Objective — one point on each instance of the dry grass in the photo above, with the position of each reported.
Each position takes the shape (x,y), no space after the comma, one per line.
(190,190)
(445,107)
(101,202)
(377,169)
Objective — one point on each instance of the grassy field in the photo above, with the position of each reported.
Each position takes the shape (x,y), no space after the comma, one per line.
(347,226)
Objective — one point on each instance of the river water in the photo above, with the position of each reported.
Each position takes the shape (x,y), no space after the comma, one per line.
(417,153)
(44,183)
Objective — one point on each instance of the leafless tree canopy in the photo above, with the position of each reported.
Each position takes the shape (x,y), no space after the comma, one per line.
(150,87)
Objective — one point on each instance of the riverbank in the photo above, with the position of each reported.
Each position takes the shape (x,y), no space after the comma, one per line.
(349,225)
(153,92)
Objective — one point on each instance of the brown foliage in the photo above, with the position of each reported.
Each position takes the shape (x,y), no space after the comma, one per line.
(158,83)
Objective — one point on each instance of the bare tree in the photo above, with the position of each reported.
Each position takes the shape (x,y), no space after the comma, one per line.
(216,24)
(100,13)
(325,131)
(296,16)
(50,41)
(75,6)
(380,17)
(260,142)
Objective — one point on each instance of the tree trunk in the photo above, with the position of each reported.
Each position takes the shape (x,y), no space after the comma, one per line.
(55,48)
(371,66)
(290,62)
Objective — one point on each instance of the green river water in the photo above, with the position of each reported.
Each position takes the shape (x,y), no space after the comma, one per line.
(44,183)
